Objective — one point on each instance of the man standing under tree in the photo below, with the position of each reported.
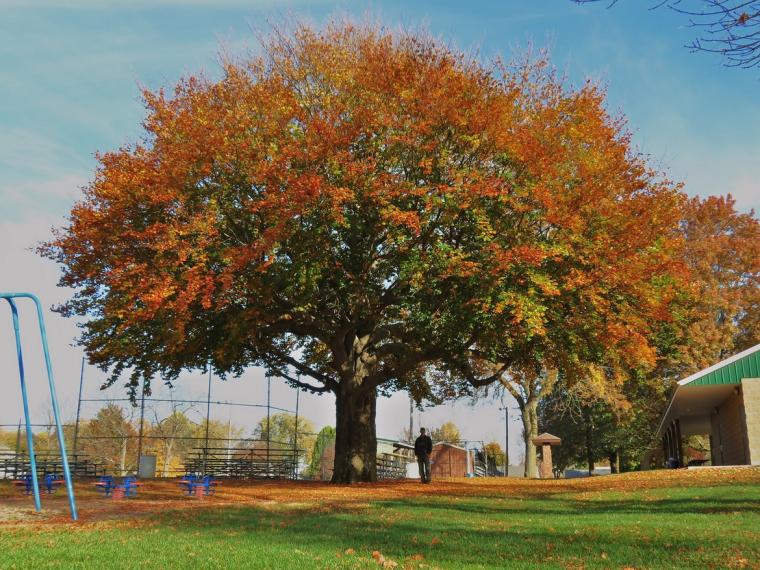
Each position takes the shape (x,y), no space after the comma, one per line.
(423,447)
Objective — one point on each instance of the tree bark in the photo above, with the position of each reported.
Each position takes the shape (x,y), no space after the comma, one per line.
(613,458)
(589,441)
(529,414)
(355,436)
(167,457)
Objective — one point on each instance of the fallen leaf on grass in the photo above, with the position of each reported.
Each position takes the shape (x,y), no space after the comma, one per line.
(349,551)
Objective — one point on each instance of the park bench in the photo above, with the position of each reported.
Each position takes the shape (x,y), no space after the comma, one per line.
(257,463)
(13,465)
(391,466)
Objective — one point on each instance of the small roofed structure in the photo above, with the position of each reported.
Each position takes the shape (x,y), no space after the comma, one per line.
(449,460)
(545,441)
(721,402)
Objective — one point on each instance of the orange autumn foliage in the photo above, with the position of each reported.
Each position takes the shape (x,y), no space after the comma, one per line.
(372,211)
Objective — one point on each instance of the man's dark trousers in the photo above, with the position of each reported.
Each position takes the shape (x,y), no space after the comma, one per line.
(424,463)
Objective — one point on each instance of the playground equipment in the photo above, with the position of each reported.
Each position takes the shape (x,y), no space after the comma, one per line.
(110,488)
(194,485)
(10,298)
(125,490)
(50,483)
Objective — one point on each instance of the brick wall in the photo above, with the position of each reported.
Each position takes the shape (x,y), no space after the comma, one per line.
(751,393)
(716,443)
(732,431)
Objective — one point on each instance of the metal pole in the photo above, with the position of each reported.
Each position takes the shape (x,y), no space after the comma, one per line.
(411,418)
(295,437)
(269,395)
(506,440)
(53,397)
(79,407)
(140,435)
(208,418)
(25,399)
(229,436)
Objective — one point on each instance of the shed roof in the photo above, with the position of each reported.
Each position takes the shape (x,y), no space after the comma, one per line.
(447,444)
(546,438)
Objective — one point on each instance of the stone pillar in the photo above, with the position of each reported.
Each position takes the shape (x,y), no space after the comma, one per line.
(547,469)
(751,393)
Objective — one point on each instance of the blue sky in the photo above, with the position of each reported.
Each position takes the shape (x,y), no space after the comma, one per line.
(70,74)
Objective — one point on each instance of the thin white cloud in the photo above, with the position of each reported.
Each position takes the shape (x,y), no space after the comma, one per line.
(35,155)
(141,4)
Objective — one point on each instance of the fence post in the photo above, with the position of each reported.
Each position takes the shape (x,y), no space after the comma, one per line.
(295,437)
(79,408)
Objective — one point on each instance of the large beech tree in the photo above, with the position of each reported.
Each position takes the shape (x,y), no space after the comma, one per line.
(361,211)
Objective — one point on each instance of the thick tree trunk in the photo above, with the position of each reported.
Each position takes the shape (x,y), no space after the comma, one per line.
(530,430)
(355,436)
(589,442)
(614,457)
(614,460)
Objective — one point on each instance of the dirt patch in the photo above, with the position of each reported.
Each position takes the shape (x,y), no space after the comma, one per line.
(161,495)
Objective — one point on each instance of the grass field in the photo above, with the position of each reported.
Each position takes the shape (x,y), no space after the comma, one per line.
(668,519)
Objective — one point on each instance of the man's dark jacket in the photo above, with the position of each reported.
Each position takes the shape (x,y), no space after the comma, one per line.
(423,446)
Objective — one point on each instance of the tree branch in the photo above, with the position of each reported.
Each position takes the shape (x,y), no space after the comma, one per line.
(329,383)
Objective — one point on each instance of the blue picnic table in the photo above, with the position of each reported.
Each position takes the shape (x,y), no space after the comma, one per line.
(50,483)
(110,488)
(194,485)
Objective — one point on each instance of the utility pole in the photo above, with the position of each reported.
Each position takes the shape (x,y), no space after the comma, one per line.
(411,418)
(269,403)
(208,418)
(506,440)
(142,422)
(295,435)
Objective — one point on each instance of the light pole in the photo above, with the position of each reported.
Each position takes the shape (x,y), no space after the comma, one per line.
(505,409)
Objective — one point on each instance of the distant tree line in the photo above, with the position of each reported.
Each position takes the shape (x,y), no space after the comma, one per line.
(111,438)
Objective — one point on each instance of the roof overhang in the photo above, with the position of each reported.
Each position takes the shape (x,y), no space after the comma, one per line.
(696,396)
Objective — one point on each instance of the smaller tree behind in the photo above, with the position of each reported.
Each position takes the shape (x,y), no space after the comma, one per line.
(496,457)
(448,432)
(172,439)
(324,439)
(111,437)
(282,432)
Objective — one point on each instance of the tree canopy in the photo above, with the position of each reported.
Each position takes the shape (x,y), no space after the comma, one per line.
(362,211)
(448,432)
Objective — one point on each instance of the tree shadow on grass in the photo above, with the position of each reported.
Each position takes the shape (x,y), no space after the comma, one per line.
(558,505)
(453,540)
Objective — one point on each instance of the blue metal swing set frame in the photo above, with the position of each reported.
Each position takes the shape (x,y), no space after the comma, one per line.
(10,297)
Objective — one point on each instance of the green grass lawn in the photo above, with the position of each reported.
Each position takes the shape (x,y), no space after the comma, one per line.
(672,527)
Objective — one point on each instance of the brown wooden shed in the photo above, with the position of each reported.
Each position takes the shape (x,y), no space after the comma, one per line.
(448,460)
